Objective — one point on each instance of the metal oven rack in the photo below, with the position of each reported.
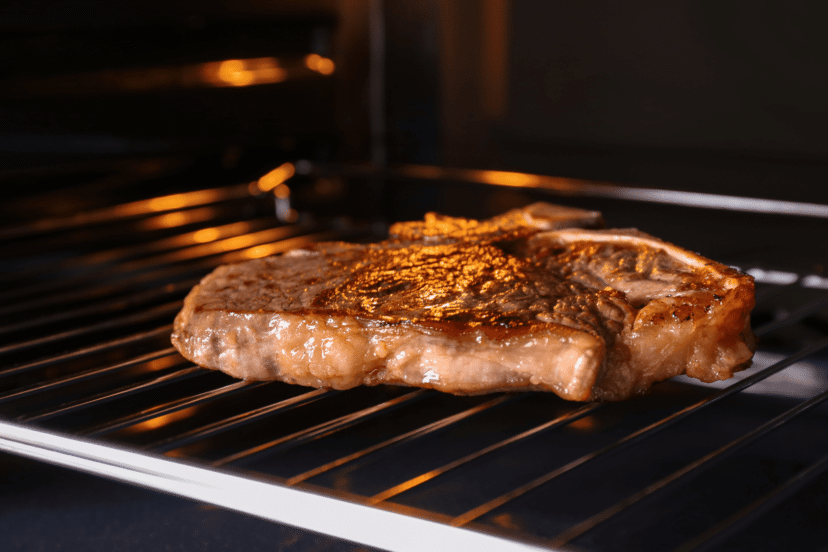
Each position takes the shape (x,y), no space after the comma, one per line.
(88,380)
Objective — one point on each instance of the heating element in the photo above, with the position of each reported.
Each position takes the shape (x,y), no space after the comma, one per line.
(89,380)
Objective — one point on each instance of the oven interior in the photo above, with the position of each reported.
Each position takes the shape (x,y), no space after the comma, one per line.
(131,167)
(90,295)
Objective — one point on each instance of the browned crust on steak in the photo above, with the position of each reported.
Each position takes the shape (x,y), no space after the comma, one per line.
(587,314)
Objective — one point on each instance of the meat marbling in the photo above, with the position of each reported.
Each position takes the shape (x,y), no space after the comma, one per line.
(522,301)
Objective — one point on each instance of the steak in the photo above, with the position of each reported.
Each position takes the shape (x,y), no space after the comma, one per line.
(522,301)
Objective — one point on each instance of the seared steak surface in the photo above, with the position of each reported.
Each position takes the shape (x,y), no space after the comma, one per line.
(473,307)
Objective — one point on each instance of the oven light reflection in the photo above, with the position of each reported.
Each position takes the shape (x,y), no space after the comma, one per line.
(277,176)
(402,487)
(206,235)
(504,178)
(237,242)
(267,249)
(284,212)
(220,74)
(179,218)
(259,251)
(587,423)
(166,221)
(321,65)
(163,362)
(773,276)
(508,521)
(171,202)
(233,72)
(632,193)
(243,72)
(264,250)
(814,281)
(227,245)
(168,203)
(161,421)
(282,191)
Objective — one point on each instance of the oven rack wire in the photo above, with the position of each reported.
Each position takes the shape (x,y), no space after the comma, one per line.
(88,380)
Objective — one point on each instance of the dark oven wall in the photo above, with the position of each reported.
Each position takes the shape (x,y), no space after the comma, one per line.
(688,95)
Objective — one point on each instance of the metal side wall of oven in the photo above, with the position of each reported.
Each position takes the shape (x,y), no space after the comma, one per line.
(89,381)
